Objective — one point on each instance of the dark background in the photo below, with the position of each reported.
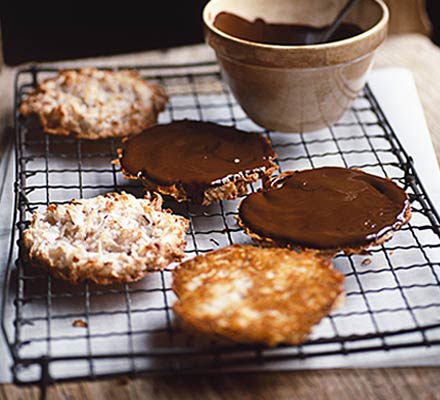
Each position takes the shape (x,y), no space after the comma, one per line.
(63,30)
(35,31)
(433,8)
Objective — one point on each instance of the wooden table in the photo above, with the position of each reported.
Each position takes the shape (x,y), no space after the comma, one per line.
(413,51)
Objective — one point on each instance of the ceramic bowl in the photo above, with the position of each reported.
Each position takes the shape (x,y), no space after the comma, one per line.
(296,88)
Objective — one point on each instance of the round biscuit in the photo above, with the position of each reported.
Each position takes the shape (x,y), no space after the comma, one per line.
(110,238)
(95,104)
(256,295)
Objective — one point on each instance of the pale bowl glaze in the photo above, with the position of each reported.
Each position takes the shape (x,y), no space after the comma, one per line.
(296,88)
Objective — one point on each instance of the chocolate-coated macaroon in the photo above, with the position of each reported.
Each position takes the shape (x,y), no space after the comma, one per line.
(325,209)
(199,162)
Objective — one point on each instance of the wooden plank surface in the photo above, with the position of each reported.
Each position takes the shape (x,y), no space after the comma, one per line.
(370,384)
(418,54)
(411,51)
(408,16)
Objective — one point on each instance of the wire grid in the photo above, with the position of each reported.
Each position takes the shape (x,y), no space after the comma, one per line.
(392,294)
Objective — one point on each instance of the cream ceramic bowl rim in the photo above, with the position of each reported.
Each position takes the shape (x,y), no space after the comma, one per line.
(375,28)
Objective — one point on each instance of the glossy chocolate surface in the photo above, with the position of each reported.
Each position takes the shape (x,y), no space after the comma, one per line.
(326,208)
(194,154)
(282,34)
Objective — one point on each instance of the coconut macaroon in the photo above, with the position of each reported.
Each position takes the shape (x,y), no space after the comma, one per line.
(327,210)
(196,161)
(95,104)
(256,295)
(107,239)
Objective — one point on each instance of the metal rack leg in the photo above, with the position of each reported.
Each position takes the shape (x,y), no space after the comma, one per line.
(44,381)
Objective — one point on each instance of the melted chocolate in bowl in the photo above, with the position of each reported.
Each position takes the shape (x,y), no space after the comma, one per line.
(280,34)
(326,208)
(196,155)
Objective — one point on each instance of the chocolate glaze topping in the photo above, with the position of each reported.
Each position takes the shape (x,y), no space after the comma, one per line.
(326,208)
(194,154)
(283,34)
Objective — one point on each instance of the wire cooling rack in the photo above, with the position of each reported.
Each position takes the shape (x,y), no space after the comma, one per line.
(57,331)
